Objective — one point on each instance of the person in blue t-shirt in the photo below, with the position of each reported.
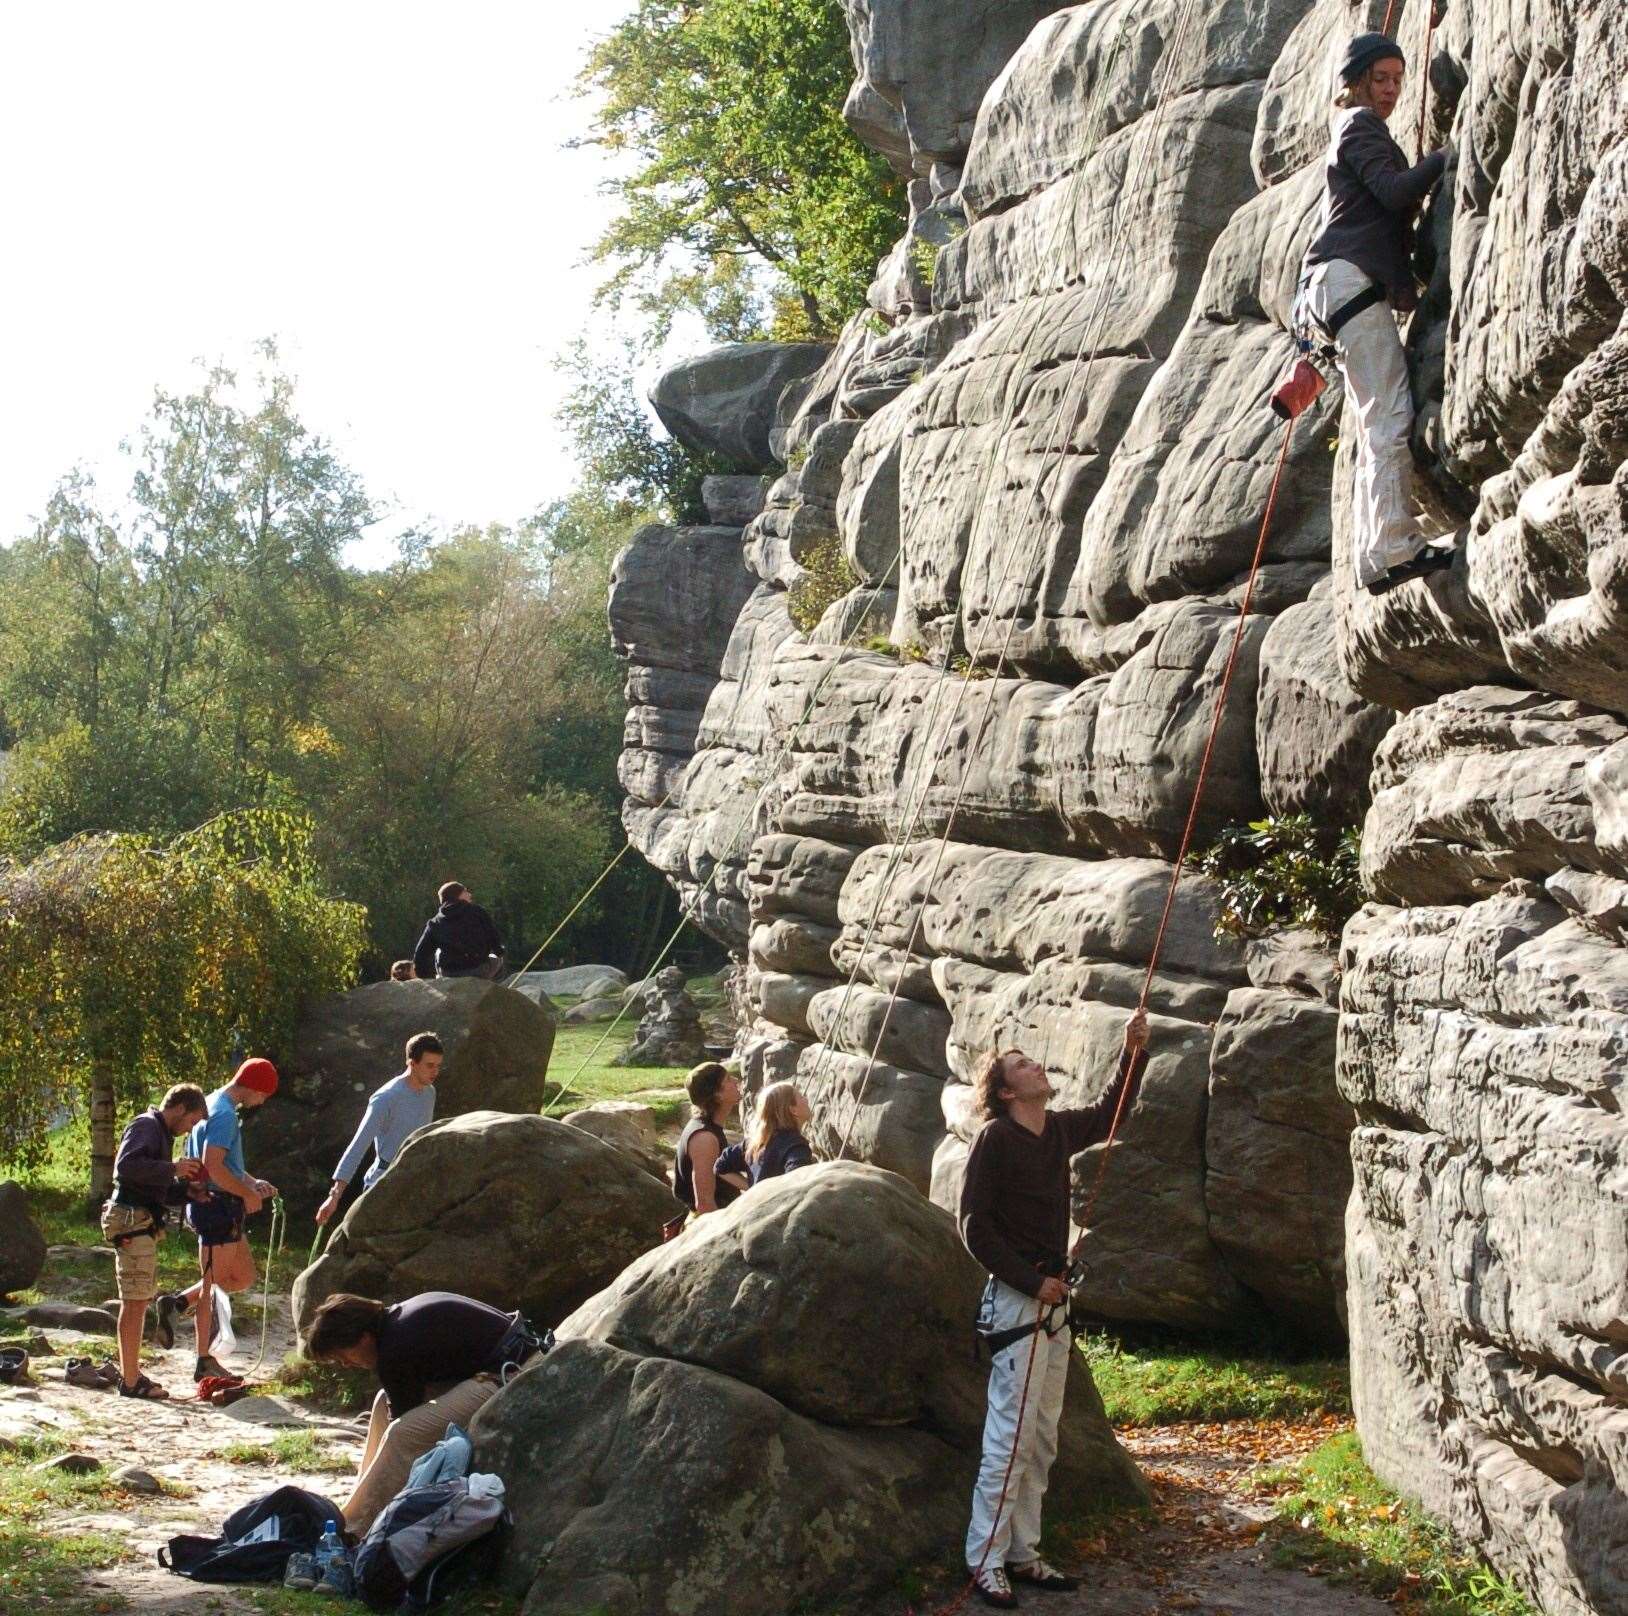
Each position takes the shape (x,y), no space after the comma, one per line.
(224,1258)
(395,1110)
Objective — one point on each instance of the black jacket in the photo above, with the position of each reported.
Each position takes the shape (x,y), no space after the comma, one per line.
(462,933)
(143,1170)
(1369,202)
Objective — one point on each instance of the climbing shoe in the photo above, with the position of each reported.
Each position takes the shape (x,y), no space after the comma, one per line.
(171,1306)
(992,1587)
(1432,558)
(302,1573)
(1040,1575)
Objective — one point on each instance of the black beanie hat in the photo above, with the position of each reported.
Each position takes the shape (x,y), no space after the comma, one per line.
(1364,51)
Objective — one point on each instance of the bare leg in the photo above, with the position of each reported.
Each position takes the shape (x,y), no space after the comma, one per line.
(132,1316)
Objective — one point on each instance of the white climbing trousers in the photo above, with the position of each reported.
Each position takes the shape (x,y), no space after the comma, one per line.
(1384,529)
(1014,1539)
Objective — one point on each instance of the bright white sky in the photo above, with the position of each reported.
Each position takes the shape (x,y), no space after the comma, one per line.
(379,184)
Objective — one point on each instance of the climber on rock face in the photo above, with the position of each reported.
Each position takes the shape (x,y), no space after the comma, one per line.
(1014,1220)
(1357,276)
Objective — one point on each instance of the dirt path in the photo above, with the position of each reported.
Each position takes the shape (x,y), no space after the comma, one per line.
(183,1444)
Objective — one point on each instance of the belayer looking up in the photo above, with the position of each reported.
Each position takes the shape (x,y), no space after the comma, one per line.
(1014,1220)
(394,1110)
(713,1091)
(776,1145)
(1357,277)
(459,939)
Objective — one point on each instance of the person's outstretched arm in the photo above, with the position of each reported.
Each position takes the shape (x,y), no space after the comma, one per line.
(367,1131)
(1090,1125)
(1372,154)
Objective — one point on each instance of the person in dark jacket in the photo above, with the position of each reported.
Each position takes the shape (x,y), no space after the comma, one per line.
(439,1357)
(459,939)
(1356,278)
(713,1091)
(1014,1220)
(776,1145)
(148,1184)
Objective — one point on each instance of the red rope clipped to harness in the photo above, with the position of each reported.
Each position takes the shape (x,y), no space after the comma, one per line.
(1133,1059)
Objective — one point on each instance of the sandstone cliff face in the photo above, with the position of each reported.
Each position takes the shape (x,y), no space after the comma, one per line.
(1047,467)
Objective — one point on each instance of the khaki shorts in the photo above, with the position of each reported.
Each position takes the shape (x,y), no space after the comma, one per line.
(135,1261)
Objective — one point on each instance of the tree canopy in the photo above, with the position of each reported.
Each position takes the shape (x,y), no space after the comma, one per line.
(132,964)
(723,120)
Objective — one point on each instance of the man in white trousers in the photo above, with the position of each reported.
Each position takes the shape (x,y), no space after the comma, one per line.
(1358,275)
(1014,1220)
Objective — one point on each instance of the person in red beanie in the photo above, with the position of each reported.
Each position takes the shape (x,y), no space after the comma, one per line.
(224,1258)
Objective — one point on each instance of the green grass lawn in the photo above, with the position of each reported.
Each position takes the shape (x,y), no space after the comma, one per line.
(1339,1520)
(581,1066)
(1165,1381)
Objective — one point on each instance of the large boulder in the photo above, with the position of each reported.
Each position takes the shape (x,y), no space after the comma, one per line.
(22,1246)
(518,1211)
(571,982)
(497,1048)
(786,1386)
(631,1128)
(723,401)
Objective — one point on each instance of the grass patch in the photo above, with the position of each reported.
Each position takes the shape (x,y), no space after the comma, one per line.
(1165,1382)
(39,1572)
(1339,1521)
(599,1079)
(300,1452)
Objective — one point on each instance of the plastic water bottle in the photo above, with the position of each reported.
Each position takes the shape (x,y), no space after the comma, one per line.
(331,1550)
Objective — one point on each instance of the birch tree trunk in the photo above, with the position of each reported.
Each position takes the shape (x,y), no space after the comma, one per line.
(103,1112)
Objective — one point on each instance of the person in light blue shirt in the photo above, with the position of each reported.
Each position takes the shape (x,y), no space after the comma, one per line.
(394,1110)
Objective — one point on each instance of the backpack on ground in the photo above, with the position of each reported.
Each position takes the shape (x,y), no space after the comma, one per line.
(425,1540)
(255,1541)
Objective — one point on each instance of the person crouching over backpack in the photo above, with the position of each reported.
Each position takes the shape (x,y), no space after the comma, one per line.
(438,1357)
(147,1185)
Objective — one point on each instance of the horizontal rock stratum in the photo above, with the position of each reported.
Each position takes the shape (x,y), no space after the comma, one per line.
(940,821)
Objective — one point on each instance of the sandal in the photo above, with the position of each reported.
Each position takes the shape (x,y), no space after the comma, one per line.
(148,1390)
(83,1373)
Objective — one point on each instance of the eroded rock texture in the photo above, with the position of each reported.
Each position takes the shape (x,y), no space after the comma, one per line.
(941,821)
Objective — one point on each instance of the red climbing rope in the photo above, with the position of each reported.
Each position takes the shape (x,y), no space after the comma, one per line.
(1390,13)
(1132,1060)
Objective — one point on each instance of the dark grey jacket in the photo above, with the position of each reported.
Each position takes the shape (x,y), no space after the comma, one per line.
(1369,203)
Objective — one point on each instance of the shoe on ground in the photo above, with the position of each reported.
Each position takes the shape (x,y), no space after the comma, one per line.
(301,1574)
(338,1580)
(991,1586)
(210,1367)
(83,1373)
(171,1307)
(149,1391)
(1037,1574)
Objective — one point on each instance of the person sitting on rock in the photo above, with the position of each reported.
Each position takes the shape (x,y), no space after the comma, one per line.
(438,1357)
(1357,275)
(225,1261)
(1014,1220)
(147,1185)
(394,1110)
(776,1144)
(713,1091)
(459,939)
(402,971)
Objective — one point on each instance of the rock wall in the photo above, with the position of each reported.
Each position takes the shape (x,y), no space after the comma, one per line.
(941,820)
